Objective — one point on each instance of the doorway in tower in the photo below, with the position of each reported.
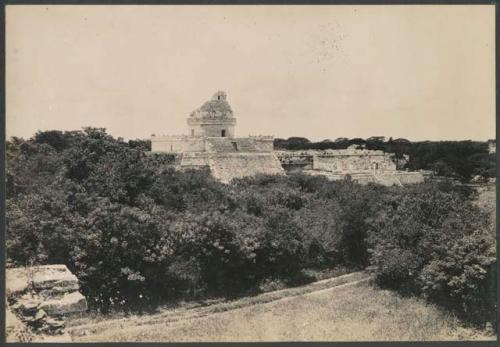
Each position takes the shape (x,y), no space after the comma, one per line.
(223,133)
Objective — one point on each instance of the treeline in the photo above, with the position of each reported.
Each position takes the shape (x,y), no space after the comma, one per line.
(462,160)
(136,232)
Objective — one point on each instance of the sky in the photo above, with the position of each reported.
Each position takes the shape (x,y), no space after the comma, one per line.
(321,72)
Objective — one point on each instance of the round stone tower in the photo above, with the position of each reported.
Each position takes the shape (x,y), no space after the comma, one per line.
(213,119)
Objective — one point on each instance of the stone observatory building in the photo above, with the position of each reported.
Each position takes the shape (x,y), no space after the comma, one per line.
(211,143)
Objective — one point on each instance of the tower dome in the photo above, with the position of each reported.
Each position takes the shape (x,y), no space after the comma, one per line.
(213,119)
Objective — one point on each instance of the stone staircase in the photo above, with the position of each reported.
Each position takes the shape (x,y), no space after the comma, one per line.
(220,145)
(232,145)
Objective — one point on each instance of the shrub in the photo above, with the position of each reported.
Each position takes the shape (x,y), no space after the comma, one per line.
(437,244)
(463,277)
(121,255)
(135,231)
(281,248)
(210,240)
(322,224)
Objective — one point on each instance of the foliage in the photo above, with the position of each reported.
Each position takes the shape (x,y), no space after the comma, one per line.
(463,277)
(136,232)
(438,244)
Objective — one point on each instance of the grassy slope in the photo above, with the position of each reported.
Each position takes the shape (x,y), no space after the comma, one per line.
(348,312)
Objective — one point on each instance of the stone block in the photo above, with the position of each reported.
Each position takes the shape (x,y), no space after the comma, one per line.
(55,323)
(19,280)
(69,303)
(26,304)
(40,314)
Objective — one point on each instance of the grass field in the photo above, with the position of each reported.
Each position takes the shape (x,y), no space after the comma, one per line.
(332,310)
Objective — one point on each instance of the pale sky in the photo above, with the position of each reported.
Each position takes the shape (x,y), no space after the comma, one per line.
(322,72)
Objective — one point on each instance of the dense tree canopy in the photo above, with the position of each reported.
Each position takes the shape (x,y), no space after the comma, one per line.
(136,232)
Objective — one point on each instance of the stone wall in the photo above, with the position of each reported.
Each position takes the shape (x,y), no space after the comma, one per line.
(187,144)
(194,160)
(360,165)
(211,130)
(353,161)
(263,143)
(227,166)
(238,157)
(38,299)
(341,161)
(293,161)
(243,144)
(177,144)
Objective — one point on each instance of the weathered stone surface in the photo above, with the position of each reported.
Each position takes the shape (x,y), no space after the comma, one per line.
(212,144)
(59,291)
(40,314)
(52,326)
(38,295)
(360,165)
(12,323)
(27,304)
(54,323)
(18,280)
(69,303)
(340,161)
(225,167)
(15,329)
(213,119)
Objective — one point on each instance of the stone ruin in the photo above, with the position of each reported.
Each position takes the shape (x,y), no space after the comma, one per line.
(359,164)
(211,144)
(38,299)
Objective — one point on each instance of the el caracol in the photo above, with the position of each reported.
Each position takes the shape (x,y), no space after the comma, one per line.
(211,143)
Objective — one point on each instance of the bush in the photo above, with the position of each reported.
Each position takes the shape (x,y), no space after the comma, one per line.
(215,242)
(321,220)
(437,244)
(463,277)
(137,232)
(121,255)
